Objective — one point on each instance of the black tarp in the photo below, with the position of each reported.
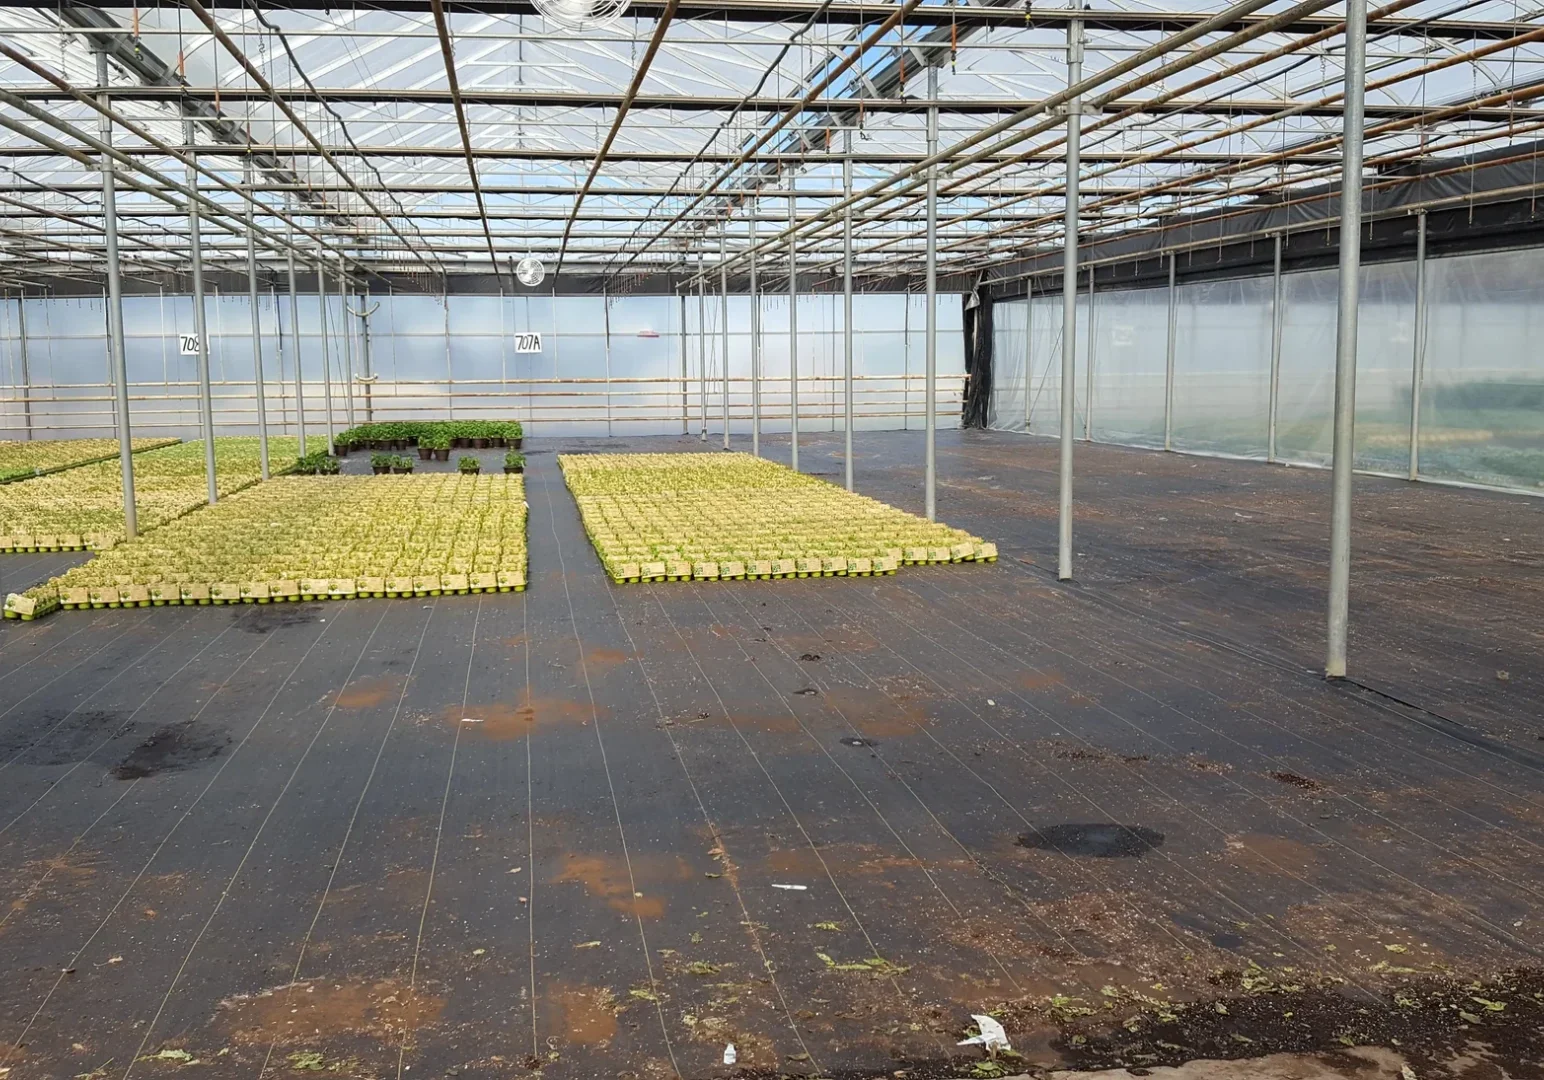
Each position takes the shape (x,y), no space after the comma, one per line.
(978,363)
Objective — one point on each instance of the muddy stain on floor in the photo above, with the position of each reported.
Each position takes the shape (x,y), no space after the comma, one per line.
(315,1010)
(370,693)
(582,1014)
(501,720)
(637,892)
(1272,854)
(877,715)
(600,659)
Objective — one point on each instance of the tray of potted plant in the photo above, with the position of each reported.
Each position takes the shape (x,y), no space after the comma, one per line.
(82,507)
(39,457)
(676,517)
(304,537)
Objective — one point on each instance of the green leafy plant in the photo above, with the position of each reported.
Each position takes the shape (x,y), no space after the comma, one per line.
(382,462)
(514,460)
(468,464)
(317,463)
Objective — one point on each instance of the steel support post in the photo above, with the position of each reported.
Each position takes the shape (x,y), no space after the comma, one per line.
(26,367)
(1029,347)
(605,309)
(723,311)
(294,309)
(930,336)
(755,298)
(1168,365)
(348,344)
(365,363)
(1069,372)
(847,408)
(200,318)
(702,341)
(120,366)
(1088,374)
(1345,338)
(1277,314)
(793,335)
(257,325)
(686,404)
(1418,359)
(321,302)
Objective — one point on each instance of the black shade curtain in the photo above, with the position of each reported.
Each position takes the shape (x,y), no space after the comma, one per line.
(978,363)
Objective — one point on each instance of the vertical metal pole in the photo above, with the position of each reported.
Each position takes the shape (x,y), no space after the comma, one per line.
(1168,369)
(793,334)
(294,309)
(257,325)
(200,318)
(702,340)
(605,308)
(26,369)
(930,378)
(364,353)
(120,365)
(1088,392)
(1278,313)
(1069,372)
(279,354)
(723,311)
(1418,370)
(1029,348)
(1345,338)
(755,295)
(686,404)
(847,405)
(321,301)
(348,342)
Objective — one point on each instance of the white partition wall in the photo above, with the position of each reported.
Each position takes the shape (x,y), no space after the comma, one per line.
(1482,389)
(606,365)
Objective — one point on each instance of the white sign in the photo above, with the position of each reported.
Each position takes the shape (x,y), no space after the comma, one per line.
(527,343)
(189,344)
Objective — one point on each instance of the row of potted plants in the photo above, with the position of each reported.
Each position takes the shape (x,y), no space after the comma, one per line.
(317,463)
(34,458)
(390,463)
(82,508)
(436,437)
(299,538)
(708,516)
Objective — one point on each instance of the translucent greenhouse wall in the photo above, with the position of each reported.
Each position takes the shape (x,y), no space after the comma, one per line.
(607,365)
(1481,394)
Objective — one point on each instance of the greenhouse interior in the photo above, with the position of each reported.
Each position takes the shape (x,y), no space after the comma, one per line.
(772,539)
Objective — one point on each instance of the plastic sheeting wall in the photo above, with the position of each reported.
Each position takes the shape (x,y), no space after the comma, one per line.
(607,365)
(1482,395)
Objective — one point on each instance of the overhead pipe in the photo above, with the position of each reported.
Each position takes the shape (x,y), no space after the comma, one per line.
(1048,105)
(616,126)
